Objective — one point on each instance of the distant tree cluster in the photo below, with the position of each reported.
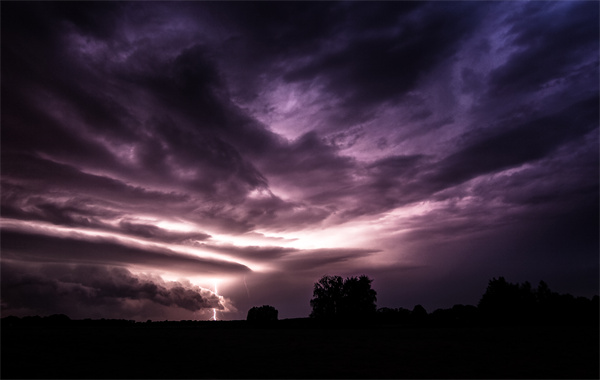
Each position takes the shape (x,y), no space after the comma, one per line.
(51,320)
(458,315)
(264,313)
(507,303)
(61,320)
(337,299)
(504,303)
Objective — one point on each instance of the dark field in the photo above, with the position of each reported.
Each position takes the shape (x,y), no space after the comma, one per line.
(220,351)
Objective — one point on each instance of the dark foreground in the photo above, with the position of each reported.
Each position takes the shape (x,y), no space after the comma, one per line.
(222,351)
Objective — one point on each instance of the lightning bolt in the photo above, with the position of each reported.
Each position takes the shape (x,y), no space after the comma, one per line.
(214,309)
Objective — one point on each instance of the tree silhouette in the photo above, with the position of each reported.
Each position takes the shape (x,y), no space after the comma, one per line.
(504,302)
(327,296)
(543,293)
(507,303)
(265,313)
(358,301)
(335,298)
(418,315)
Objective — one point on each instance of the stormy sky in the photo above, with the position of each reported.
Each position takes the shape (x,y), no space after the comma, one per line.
(161,160)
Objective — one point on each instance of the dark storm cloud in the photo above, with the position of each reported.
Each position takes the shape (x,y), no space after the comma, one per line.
(41,34)
(514,146)
(387,172)
(568,175)
(387,183)
(437,34)
(32,247)
(384,61)
(43,175)
(22,119)
(96,19)
(82,212)
(548,50)
(72,289)
(68,214)
(196,138)
(189,149)
(269,24)
(559,192)
(265,33)
(313,160)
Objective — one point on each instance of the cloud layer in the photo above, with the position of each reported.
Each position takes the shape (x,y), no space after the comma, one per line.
(84,290)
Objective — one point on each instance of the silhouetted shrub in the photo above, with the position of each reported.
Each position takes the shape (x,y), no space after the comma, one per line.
(57,320)
(465,315)
(264,313)
(457,316)
(394,316)
(442,317)
(35,320)
(11,321)
(418,315)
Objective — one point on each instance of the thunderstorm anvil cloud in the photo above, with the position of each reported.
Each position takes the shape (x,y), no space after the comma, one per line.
(152,150)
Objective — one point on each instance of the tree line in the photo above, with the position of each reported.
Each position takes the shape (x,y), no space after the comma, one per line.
(339,301)
(352,300)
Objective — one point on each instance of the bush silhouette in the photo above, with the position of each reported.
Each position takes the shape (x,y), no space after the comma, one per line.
(396,316)
(264,313)
(418,315)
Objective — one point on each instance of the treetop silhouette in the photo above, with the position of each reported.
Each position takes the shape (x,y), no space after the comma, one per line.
(264,313)
(350,299)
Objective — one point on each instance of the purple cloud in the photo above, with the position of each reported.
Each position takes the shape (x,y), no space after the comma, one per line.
(75,288)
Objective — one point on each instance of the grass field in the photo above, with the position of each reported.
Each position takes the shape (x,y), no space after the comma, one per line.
(383,352)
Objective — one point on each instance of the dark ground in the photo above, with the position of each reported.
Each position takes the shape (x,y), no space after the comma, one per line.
(223,351)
